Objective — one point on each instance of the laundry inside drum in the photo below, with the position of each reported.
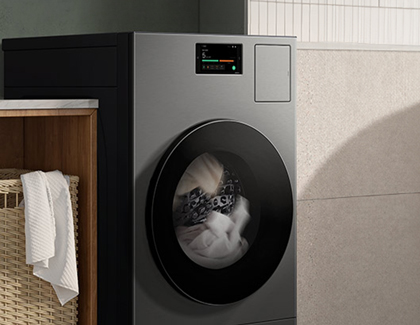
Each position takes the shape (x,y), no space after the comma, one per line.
(210,213)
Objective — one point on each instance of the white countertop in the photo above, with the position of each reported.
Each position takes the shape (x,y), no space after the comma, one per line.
(48,103)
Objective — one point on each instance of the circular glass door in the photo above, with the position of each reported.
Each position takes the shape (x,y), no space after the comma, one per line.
(220,212)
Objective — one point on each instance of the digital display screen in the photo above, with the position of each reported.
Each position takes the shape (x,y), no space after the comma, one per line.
(218,59)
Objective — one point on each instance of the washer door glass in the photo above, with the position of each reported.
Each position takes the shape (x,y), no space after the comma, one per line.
(221,212)
(211,212)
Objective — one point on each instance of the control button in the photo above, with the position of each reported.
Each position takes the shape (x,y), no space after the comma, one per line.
(233,68)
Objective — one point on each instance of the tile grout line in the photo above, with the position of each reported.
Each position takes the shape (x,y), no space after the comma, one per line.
(356,196)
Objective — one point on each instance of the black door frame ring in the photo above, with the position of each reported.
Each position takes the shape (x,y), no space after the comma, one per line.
(266,185)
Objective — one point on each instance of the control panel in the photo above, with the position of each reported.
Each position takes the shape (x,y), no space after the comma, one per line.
(218,58)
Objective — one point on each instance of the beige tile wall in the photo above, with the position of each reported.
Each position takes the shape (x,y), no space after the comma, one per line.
(358,261)
(360,111)
(358,159)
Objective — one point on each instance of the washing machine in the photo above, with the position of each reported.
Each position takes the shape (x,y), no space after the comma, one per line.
(198,134)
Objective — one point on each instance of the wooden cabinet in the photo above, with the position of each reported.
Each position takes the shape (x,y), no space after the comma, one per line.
(48,135)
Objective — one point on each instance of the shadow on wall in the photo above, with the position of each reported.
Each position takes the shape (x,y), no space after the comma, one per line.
(358,260)
(382,159)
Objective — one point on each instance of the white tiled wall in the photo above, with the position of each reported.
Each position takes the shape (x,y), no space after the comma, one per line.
(386,22)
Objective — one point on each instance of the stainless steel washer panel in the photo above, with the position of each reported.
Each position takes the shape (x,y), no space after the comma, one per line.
(170,98)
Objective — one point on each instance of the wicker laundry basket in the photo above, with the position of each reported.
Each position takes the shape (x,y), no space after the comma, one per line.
(24,298)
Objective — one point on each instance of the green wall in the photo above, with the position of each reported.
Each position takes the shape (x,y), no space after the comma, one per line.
(27,18)
(223,17)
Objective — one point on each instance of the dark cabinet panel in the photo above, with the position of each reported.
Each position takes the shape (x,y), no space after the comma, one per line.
(78,67)
(60,42)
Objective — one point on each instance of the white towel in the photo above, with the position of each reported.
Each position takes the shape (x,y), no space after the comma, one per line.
(49,232)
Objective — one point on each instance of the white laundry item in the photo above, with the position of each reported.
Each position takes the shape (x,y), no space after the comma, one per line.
(60,268)
(217,243)
(22,203)
(39,219)
(204,172)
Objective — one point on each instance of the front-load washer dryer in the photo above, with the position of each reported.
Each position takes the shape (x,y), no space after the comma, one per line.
(197,142)
(214,139)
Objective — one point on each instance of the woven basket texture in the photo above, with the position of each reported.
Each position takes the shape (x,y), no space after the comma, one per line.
(24,298)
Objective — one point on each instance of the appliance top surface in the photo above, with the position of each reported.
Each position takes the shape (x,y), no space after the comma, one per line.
(266,39)
(218,35)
